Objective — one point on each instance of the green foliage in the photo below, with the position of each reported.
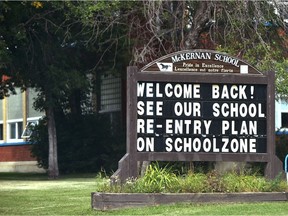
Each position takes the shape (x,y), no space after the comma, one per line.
(277,184)
(157,179)
(39,140)
(281,147)
(162,180)
(265,58)
(282,79)
(244,183)
(49,45)
(261,41)
(193,183)
(42,46)
(214,182)
(85,144)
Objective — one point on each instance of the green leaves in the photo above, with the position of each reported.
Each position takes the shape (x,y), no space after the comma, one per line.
(163,180)
(282,79)
(158,179)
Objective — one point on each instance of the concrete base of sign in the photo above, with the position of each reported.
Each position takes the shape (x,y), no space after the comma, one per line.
(106,201)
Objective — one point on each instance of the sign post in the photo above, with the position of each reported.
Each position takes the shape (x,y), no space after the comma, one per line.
(286,167)
(199,105)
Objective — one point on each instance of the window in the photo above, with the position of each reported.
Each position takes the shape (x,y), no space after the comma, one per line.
(14,130)
(110,93)
(17,116)
(31,112)
(284,120)
(14,108)
(1,132)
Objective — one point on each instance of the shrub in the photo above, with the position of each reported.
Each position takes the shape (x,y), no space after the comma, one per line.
(244,183)
(193,183)
(214,182)
(155,180)
(162,180)
(85,144)
(277,184)
(281,147)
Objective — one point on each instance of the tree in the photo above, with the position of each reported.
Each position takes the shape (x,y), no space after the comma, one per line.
(44,50)
(49,46)
(246,29)
(252,30)
(53,45)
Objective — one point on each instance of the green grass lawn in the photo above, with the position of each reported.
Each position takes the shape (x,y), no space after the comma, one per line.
(33,194)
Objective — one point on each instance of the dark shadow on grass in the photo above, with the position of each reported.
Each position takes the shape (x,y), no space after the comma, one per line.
(41,176)
(23,176)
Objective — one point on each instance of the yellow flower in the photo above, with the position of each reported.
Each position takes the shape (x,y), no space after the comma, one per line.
(37,4)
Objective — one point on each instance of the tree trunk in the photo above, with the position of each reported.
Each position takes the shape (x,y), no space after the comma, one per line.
(53,171)
(200,20)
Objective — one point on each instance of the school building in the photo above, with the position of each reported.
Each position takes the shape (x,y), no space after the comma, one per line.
(16,116)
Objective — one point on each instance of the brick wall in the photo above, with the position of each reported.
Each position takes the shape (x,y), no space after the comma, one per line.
(15,153)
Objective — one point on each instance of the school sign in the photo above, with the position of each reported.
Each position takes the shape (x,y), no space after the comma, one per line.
(199,105)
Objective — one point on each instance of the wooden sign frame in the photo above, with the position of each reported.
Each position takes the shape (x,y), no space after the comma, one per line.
(187,67)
